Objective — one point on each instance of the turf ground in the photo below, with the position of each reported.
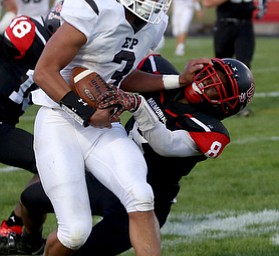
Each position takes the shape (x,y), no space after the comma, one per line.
(227,206)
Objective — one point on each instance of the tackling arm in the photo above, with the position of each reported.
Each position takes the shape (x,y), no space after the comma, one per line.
(139,81)
(174,143)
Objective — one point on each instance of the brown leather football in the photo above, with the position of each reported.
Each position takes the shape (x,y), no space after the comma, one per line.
(88,84)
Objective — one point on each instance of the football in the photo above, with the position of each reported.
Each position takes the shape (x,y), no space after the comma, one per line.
(88,85)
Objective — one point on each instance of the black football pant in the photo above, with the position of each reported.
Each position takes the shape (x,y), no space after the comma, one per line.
(234,40)
(17,148)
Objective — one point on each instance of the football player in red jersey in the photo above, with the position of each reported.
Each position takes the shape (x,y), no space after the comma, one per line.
(21,46)
(178,128)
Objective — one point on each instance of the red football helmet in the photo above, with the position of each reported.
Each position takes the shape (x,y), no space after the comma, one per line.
(223,89)
(25,38)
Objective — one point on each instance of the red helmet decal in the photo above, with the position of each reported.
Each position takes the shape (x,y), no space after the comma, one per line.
(21,33)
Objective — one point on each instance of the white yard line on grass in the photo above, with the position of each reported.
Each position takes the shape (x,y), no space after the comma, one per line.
(222,224)
(9,169)
(255,139)
(266,94)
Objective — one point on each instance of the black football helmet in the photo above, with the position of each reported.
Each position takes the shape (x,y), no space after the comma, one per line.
(52,21)
(231,80)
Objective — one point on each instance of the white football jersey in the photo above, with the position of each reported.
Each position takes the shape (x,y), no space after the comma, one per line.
(33,8)
(114,48)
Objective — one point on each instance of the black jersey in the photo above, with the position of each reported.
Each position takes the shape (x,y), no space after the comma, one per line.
(242,10)
(20,47)
(164,173)
(15,88)
(208,132)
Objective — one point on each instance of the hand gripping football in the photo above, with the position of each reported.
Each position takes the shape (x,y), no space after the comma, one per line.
(88,85)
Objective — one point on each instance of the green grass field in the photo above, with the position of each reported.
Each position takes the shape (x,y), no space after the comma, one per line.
(227,206)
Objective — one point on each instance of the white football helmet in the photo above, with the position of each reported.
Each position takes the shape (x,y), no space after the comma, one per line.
(150,11)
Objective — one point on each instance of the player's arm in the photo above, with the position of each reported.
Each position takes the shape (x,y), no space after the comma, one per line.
(162,140)
(58,53)
(139,81)
(178,143)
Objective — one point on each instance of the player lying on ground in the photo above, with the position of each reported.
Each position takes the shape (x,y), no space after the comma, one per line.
(178,128)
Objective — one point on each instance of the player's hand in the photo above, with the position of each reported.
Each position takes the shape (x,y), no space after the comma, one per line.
(121,100)
(194,65)
(103,118)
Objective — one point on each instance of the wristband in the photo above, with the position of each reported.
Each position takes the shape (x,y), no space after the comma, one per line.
(145,116)
(171,81)
(73,105)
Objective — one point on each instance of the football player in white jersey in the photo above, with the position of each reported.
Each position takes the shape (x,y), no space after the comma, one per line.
(109,37)
(183,12)
(36,9)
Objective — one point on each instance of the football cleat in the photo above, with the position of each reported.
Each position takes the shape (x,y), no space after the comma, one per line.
(24,248)
(8,244)
(13,244)
(5,230)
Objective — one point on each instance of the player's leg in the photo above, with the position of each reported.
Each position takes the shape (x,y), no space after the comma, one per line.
(186,19)
(177,28)
(245,43)
(181,20)
(16,150)
(244,51)
(144,232)
(223,37)
(35,205)
(118,163)
(110,236)
(60,164)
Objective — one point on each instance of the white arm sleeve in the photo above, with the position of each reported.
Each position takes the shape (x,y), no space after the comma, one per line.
(171,143)
(163,141)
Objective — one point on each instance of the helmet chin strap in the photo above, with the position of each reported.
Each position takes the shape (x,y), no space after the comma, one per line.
(193,94)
